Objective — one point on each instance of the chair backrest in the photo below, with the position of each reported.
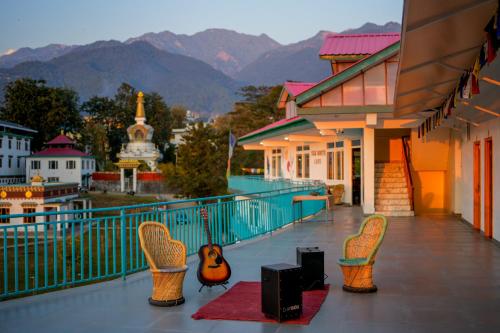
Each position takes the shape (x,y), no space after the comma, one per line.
(158,247)
(366,243)
(338,189)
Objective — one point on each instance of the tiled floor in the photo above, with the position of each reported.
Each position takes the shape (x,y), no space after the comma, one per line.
(435,274)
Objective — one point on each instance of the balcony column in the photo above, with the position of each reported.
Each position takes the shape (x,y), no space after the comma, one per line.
(134,179)
(122,180)
(368,170)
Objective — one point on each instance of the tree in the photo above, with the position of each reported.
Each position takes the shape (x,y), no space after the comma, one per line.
(201,163)
(48,110)
(178,116)
(258,109)
(159,116)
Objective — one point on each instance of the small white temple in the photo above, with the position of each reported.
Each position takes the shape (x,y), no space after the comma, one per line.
(139,148)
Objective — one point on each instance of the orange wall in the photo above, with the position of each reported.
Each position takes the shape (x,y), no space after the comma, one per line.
(388,145)
(430,172)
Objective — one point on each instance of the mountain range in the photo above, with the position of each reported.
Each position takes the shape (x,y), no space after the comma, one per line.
(202,71)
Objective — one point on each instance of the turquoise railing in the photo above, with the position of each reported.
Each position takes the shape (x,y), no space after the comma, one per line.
(247,184)
(83,246)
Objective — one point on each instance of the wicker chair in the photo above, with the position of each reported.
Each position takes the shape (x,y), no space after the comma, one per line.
(167,261)
(359,254)
(338,194)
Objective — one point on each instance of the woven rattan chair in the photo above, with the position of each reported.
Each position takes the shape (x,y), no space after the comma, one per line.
(359,254)
(167,261)
(338,194)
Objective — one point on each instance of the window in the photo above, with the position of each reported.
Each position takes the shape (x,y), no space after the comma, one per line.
(10,162)
(1,142)
(4,211)
(35,165)
(29,219)
(70,164)
(53,179)
(10,143)
(53,165)
(302,162)
(1,161)
(26,145)
(276,163)
(18,162)
(92,165)
(19,144)
(335,161)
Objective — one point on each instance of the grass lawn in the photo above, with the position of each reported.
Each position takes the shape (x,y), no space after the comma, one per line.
(101,200)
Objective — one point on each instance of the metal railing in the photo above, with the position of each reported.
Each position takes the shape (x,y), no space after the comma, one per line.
(407,169)
(246,184)
(83,246)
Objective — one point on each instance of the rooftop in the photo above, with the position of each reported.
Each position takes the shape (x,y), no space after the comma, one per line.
(12,125)
(54,152)
(357,44)
(434,274)
(296,88)
(61,139)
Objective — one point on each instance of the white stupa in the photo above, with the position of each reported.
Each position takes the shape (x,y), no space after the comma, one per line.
(140,147)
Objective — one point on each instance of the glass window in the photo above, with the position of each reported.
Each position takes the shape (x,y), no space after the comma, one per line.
(53,179)
(299,165)
(29,219)
(53,165)
(18,162)
(5,211)
(70,164)
(339,144)
(10,162)
(356,143)
(330,165)
(353,91)
(1,161)
(10,143)
(375,85)
(35,165)
(339,166)
(19,144)
(392,72)
(26,146)
(306,166)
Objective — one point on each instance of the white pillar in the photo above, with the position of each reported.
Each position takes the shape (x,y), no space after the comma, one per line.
(347,171)
(134,180)
(122,180)
(368,170)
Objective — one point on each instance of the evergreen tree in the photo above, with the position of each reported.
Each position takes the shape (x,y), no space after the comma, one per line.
(48,110)
(201,163)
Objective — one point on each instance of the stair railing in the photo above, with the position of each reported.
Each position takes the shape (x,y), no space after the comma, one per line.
(406,162)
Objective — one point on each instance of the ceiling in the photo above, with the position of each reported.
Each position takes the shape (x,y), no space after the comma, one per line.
(440,40)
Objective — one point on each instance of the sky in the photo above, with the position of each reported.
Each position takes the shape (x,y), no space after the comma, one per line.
(36,23)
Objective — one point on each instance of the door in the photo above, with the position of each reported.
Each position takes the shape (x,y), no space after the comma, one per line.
(488,187)
(356,176)
(477,185)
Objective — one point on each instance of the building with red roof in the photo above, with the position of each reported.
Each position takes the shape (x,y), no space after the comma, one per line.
(61,162)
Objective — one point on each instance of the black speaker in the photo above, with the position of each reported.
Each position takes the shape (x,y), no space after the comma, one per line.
(312,260)
(281,291)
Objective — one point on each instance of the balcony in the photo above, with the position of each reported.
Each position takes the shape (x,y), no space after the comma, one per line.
(433,274)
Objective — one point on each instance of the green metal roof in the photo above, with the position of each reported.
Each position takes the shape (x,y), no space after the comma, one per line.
(298,124)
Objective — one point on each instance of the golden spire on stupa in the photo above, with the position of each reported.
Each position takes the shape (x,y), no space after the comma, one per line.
(139,113)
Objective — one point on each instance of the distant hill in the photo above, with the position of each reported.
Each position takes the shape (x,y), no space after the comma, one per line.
(38,54)
(99,68)
(375,28)
(226,50)
(299,61)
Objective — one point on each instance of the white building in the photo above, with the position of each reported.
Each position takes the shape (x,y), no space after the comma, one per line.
(39,197)
(60,162)
(15,146)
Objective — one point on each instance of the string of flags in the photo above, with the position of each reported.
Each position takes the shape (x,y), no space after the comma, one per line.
(468,85)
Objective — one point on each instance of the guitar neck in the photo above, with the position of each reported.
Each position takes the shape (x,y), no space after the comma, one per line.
(207,230)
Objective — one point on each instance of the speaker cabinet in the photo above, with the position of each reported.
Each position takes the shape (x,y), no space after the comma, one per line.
(281,291)
(312,261)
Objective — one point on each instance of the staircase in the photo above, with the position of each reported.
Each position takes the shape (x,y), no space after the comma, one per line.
(391,192)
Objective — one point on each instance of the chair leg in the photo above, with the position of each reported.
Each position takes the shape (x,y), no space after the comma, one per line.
(167,289)
(358,279)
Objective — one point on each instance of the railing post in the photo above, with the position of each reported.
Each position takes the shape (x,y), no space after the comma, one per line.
(123,233)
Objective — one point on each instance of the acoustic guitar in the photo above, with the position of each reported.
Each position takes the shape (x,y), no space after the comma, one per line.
(213,268)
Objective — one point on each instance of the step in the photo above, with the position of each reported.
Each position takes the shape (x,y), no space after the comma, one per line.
(392,208)
(390,185)
(388,168)
(391,190)
(389,174)
(397,213)
(390,180)
(390,202)
(391,196)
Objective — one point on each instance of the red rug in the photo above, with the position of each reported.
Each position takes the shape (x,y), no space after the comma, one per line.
(243,302)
